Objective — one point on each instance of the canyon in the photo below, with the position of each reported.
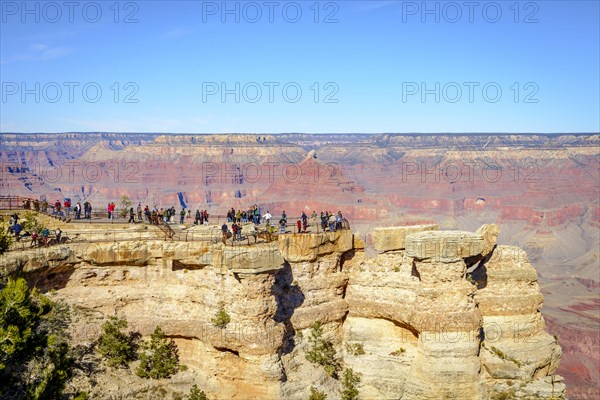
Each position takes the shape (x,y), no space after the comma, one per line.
(543,190)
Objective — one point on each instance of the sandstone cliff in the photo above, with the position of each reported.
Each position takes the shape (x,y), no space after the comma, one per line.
(436,314)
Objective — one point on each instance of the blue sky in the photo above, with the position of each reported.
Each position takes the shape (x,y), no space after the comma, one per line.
(305,66)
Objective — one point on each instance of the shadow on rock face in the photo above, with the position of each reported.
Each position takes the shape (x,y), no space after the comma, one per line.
(288,297)
(478,270)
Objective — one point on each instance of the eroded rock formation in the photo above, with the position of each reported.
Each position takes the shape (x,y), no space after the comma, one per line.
(436,314)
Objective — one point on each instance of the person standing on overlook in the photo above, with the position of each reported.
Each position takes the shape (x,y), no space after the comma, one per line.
(224,233)
(111,208)
(338,221)
(257,215)
(267,218)
(304,218)
(78,211)
(282,225)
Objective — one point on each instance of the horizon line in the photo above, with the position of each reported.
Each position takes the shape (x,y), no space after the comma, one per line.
(303,133)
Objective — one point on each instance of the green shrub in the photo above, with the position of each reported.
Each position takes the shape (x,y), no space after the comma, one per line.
(159,358)
(398,352)
(356,349)
(196,394)
(471,280)
(504,395)
(316,394)
(6,238)
(349,382)
(321,351)
(126,204)
(221,318)
(31,224)
(116,346)
(505,357)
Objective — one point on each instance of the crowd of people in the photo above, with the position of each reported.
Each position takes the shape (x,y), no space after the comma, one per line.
(327,222)
(61,208)
(158,215)
(41,238)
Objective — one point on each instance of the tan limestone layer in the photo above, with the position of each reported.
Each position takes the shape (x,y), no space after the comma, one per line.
(444,246)
(310,246)
(393,238)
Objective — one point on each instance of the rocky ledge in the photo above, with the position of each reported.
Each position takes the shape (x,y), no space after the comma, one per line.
(430,314)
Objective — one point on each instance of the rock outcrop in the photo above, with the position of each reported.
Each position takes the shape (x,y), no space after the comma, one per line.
(433,314)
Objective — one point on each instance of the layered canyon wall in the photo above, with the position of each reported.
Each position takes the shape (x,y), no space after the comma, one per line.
(542,189)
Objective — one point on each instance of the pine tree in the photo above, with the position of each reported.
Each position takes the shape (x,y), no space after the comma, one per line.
(196,394)
(349,382)
(321,351)
(159,358)
(36,360)
(114,344)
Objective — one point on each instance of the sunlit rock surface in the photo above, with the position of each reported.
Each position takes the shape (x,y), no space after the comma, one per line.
(446,314)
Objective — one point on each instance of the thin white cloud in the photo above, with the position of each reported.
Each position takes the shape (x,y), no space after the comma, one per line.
(38,52)
(38,47)
(56,52)
(175,33)
(52,35)
(375,5)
